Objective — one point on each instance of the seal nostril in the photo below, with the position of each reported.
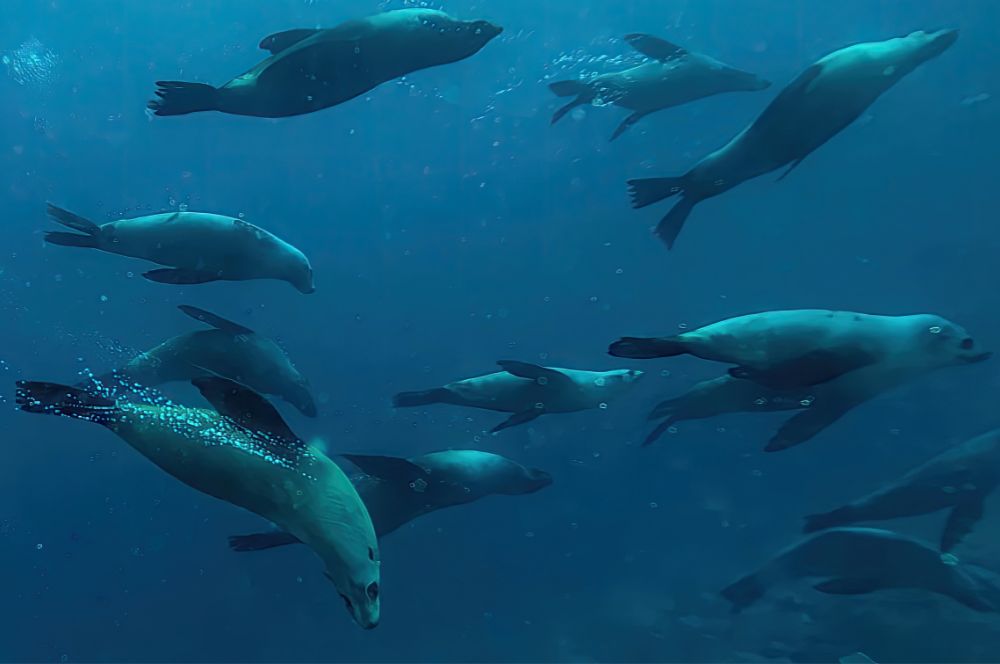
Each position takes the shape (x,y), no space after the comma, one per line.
(967,343)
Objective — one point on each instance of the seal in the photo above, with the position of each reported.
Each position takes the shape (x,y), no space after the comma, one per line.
(310,70)
(528,391)
(245,454)
(198,246)
(673,76)
(960,480)
(857,561)
(824,99)
(229,350)
(397,491)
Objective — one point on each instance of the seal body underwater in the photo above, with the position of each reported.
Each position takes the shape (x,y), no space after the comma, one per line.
(198,247)
(396,491)
(243,453)
(229,350)
(672,77)
(528,391)
(826,98)
(310,70)
(960,480)
(857,561)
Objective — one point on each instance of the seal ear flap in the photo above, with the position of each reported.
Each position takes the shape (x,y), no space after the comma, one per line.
(391,469)
(654,47)
(279,41)
(217,322)
(245,407)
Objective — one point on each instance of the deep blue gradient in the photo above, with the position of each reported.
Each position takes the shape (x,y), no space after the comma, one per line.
(449,226)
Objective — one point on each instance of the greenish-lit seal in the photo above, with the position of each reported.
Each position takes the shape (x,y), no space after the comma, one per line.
(397,491)
(245,454)
(197,246)
(527,391)
(311,70)
(815,107)
(673,76)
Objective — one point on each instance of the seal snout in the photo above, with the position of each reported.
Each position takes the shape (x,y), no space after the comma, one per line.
(539,479)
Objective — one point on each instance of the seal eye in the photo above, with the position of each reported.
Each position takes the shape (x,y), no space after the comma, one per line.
(372,590)
(967,343)
(371,554)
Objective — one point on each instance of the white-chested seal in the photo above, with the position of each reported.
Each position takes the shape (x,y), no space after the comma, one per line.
(311,70)
(673,76)
(198,247)
(397,491)
(229,350)
(527,391)
(822,101)
(245,454)
(959,480)
(857,561)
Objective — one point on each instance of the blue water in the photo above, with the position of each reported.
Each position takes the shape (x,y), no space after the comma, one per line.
(450,226)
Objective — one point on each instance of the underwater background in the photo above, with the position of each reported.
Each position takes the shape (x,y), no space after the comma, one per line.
(449,226)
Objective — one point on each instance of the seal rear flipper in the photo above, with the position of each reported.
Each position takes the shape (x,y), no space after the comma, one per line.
(394,470)
(848,586)
(179,275)
(962,519)
(583,93)
(541,375)
(56,399)
(518,418)
(809,422)
(645,348)
(421,398)
(246,408)
(72,240)
(646,191)
(182,97)
(261,541)
(654,47)
(217,322)
(279,41)
(660,429)
(626,123)
(744,592)
(813,368)
(72,220)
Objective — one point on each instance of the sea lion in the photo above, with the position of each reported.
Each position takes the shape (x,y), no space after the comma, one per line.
(245,454)
(816,106)
(198,246)
(310,70)
(857,561)
(959,479)
(527,391)
(805,347)
(673,76)
(397,491)
(229,350)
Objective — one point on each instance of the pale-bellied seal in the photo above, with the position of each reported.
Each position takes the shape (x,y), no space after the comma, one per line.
(857,561)
(959,480)
(804,347)
(229,350)
(198,246)
(246,455)
(823,100)
(527,391)
(397,491)
(672,77)
(311,70)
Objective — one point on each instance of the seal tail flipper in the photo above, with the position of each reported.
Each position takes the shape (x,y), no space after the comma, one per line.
(90,237)
(670,226)
(71,240)
(568,89)
(181,98)
(644,348)
(261,541)
(961,521)
(421,398)
(660,429)
(56,399)
(744,592)
(646,191)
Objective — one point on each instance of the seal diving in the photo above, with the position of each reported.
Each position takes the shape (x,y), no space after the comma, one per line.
(960,479)
(672,76)
(824,99)
(857,561)
(198,247)
(527,391)
(229,350)
(310,70)
(243,453)
(397,491)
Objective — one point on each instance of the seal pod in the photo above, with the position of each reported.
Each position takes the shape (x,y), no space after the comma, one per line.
(198,247)
(243,453)
(672,76)
(827,97)
(310,70)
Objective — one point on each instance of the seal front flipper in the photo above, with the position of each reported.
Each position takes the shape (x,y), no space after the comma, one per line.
(961,521)
(813,368)
(628,122)
(518,418)
(654,47)
(215,321)
(660,429)
(848,586)
(179,275)
(279,41)
(809,422)
(261,541)
(245,407)
(540,375)
(391,469)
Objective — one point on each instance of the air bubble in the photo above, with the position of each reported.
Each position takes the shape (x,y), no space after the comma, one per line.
(603,406)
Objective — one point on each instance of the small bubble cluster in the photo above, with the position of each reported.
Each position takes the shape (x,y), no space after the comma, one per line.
(31,64)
